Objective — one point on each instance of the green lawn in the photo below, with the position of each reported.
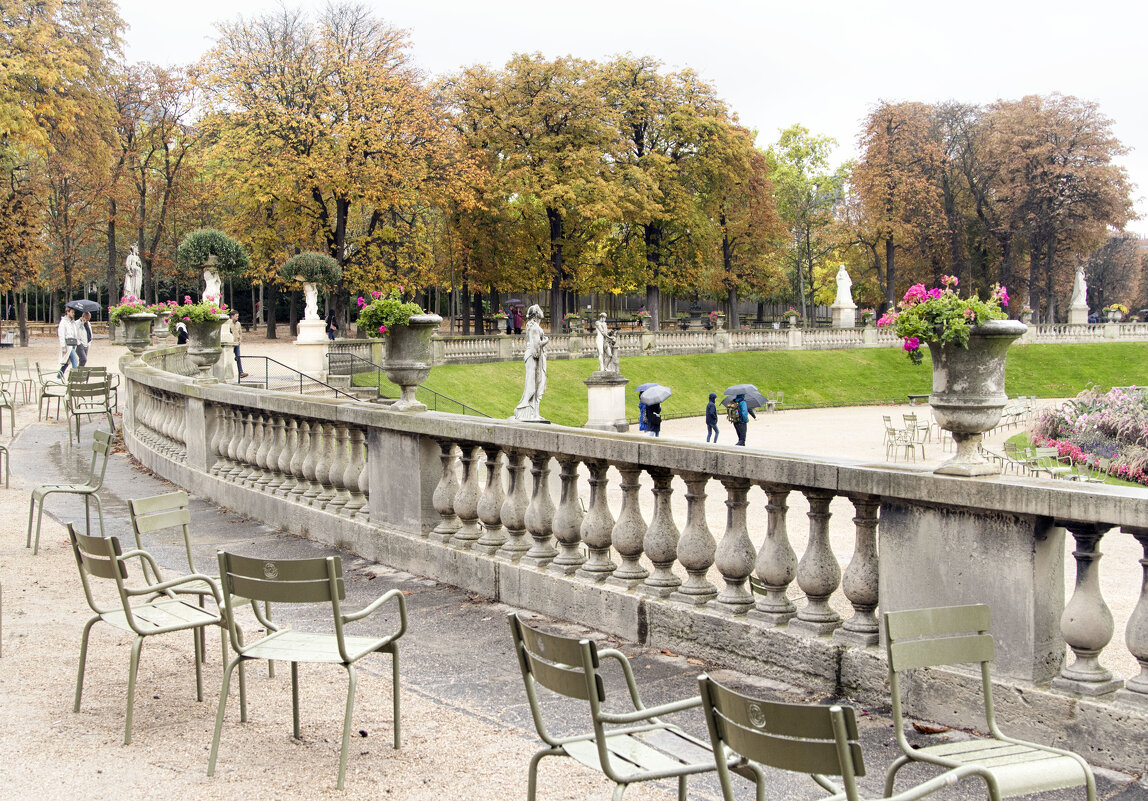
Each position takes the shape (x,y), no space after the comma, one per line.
(1023,440)
(808,378)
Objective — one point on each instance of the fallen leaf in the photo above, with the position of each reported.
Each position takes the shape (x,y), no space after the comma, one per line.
(668,652)
(923,729)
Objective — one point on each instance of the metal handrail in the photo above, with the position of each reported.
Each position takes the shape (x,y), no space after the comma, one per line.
(341,363)
(297,377)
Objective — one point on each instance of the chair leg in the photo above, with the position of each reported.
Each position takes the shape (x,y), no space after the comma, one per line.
(31,512)
(681,788)
(395,694)
(137,646)
(83,661)
(351,686)
(39,520)
(532,775)
(891,774)
(196,633)
(99,511)
(219,714)
(618,790)
(295,700)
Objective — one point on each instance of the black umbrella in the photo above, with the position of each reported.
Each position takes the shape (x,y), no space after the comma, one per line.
(82,306)
(753,398)
(513,302)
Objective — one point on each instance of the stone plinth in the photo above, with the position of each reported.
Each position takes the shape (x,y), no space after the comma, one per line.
(224,369)
(1078,315)
(844,316)
(607,401)
(312,344)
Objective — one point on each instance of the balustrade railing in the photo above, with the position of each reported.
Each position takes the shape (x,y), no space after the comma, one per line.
(801,548)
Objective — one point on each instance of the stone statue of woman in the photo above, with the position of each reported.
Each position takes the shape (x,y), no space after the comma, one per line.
(535,360)
(844,288)
(1079,289)
(133,273)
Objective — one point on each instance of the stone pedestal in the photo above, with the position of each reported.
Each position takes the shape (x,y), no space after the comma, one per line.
(844,316)
(1078,314)
(607,401)
(224,369)
(312,347)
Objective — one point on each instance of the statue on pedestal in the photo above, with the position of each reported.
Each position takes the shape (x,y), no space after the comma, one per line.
(133,273)
(535,360)
(1079,288)
(608,360)
(844,288)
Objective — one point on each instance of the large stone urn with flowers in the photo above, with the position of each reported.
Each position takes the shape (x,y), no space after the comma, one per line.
(407,333)
(968,339)
(135,319)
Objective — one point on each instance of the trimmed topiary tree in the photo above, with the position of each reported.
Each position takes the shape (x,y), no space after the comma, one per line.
(216,253)
(312,270)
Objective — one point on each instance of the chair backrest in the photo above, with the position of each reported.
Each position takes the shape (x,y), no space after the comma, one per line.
(101,448)
(159,512)
(803,738)
(562,665)
(87,391)
(947,635)
(292,581)
(100,558)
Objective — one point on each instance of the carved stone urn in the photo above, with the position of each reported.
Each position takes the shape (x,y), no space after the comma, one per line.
(969,392)
(203,348)
(137,331)
(409,357)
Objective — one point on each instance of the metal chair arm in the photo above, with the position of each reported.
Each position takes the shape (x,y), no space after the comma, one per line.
(375,604)
(651,712)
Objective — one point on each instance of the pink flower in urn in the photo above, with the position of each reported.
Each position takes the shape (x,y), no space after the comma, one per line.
(187,319)
(934,293)
(376,294)
(915,295)
(187,299)
(382,329)
(361,302)
(1001,293)
(912,343)
(949,280)
(888,318)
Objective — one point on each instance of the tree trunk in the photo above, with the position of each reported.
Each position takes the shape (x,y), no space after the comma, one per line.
(272,301)
(557,270)
(465,307)
(890,272)
(22,317)
(652,236)
(293,315)
(478,322)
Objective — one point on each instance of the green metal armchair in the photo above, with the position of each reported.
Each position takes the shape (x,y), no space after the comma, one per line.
(159,611)
(804,738)
(638,747)
(90,489)
(302,581)
(957,635)
(87,398)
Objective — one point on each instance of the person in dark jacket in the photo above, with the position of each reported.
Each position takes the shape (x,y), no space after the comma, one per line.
(654,419)
(332,325)
(743,414)
(711,417)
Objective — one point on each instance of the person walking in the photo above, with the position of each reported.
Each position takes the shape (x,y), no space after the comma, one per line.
(67,332)
(180,334)
(517,319)
(84,340)
(332,325)
(741,417)
(711,417)
(237,338)
(654,419)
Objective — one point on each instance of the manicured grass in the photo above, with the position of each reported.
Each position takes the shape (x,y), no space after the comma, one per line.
(809,378)
(1023,440)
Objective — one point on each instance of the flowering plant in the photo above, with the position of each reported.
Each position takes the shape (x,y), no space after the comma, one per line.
(867,312)
(641,314)
(191,311)
(128,304)
(384,311)
(716,313)
(568,316)
(500,315)
(1117,307)
(941,315)
(792,312)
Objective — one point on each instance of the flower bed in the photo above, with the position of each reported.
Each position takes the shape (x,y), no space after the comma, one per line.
(1098,425)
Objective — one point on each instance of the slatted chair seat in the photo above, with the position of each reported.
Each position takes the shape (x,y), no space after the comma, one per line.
(958,635)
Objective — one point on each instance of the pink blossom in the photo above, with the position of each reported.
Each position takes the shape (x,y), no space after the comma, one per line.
(912,343)
(970,315)
(1001,294)
(187,319)
(187,299)
(934,293)
(361,302)
(915,295)
(376,294)
(949,280)
(888,318)
(382,329)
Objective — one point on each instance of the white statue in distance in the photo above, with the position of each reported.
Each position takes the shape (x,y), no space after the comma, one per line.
(608,361)
(212,283)
(133,273)
(535,360)
(844,289)
(311,301)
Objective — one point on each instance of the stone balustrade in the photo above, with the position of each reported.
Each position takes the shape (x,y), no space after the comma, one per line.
(767,562)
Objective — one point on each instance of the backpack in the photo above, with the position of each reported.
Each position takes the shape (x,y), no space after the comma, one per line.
(732,413)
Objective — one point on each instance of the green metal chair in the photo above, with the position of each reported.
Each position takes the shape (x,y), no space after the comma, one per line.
(958,635)
(50,387)
(160,612)
(23,371)
(302,581)
(639,747)
(90,489)
(87,398)
(804,738)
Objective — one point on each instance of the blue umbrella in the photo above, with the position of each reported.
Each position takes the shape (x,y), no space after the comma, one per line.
(643,387)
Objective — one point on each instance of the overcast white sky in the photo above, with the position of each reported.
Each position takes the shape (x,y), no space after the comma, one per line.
(821,63)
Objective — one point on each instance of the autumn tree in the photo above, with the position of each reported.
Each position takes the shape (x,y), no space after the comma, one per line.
(898,180)
(1115,271)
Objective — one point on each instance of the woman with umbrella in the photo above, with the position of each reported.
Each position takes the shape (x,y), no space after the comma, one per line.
(652,398)
(746,398)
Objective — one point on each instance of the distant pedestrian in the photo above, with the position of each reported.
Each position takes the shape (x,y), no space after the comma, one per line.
(68,337)
(332,325)
(711,417)
(180,334)
(654,419)
(237,338)
(84,338)
(517,319)
(739,414)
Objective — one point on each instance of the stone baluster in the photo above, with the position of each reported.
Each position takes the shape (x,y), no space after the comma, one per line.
(1086,623)
(466,500)
(735,554)
(143,418)
(355,465)
(364,513)
(818,573)
(242,466)
(860,580)
(233,443)
(218,437)
(338,468)
(776,564)
(444,494)
(513,513)
(1135,691)
(540,512)
(697,545)
(310,464)
(490,504)
(629,531)
(568,521)
(298,473)
(661,541)
(323,467)
(263,452)
(597,526)
(258,432)
(286,454)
